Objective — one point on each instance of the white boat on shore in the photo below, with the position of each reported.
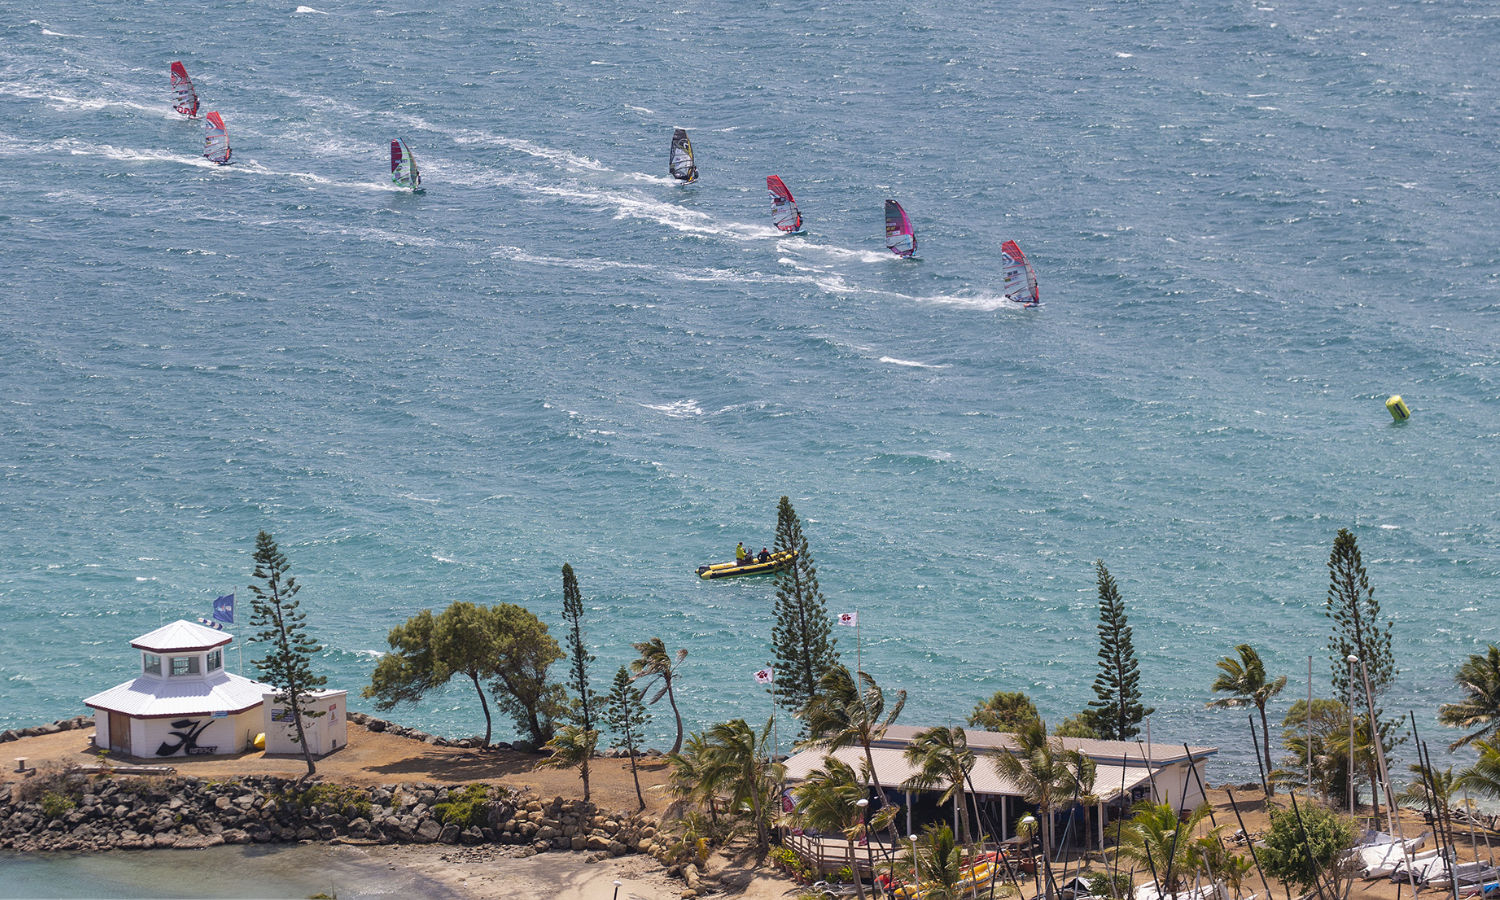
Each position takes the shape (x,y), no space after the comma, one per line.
(1380,860)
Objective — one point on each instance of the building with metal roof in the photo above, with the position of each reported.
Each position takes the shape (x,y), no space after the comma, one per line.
(1126,773)
(183,702)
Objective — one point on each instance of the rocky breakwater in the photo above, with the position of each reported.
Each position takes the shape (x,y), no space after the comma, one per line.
(78,811)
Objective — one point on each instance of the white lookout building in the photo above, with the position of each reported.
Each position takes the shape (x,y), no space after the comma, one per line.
(182,703)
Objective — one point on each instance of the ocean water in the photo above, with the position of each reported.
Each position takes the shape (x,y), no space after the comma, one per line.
(1252,222)
(289,871)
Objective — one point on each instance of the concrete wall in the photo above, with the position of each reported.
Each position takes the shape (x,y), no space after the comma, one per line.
(325,733)
(183,736)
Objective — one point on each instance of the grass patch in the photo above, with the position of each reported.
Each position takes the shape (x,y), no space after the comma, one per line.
(466,807)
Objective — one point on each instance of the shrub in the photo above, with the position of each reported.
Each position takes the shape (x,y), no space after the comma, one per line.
(350,802)
(466,807)
(1100,884)
(791,863)
(56,805)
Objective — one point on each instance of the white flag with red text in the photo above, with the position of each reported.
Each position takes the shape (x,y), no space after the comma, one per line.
(850,618)
(765,676)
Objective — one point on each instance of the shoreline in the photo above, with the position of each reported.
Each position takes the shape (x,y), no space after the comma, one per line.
(303,870)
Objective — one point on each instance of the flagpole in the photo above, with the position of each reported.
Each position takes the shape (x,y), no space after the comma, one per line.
(859,665)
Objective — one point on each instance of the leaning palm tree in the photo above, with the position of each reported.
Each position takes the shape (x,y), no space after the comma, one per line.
(742,759)
(1484,776)
(1047,776)
(1479,676)
(1244,679)
(656,662)
(1157,840)
(943,759)
(571,747)
(843,713)
(829,801)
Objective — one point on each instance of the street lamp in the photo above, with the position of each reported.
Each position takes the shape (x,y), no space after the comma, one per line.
(916,876)
(1028,822)
(617,889)
(864,804)
(1351,659)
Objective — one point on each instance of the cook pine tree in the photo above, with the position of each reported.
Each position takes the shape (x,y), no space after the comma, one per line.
(801,636)
(625,714)
(585,707)
(1116,712)
(1359,632)
(287,665)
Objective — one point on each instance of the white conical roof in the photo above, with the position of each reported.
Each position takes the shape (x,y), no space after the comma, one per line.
(181,636)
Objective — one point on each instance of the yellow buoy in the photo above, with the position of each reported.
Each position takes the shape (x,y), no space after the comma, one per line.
(260,741)
(1398,409)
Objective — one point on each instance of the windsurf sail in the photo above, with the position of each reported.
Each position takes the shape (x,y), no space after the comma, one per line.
(899,235)
(1020,278)
(404,167)
(184,96)
(680,160)
(784,214)
(216,140)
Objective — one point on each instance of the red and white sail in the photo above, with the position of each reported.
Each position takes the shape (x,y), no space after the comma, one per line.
(1020,277)
(184,95)
(784,214)
(216,140)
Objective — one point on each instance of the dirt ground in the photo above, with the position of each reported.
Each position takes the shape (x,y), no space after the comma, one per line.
(372,758)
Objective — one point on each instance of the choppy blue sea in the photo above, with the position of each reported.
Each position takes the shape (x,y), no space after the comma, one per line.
(1252,222)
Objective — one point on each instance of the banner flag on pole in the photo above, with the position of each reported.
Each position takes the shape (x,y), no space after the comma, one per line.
(850,618)
(212,624)
(224,609)
(765,676)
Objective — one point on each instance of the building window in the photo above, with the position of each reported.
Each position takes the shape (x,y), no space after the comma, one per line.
(151,663)
(215,660)
(184,665)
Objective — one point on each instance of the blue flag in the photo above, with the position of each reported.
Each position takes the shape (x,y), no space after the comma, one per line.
(224,609)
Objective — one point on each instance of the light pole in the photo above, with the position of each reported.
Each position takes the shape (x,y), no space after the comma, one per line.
(864,832)
(1351,659)
(1030,823)
(916,876)
(617,889)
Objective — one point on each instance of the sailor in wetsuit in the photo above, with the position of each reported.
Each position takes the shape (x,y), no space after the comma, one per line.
(765,556)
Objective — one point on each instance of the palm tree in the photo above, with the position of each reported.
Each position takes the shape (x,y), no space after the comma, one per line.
(742,759)
(1484,776)
(1479,676)
(572,746)
(695,776)
(829,801)
(1431,786)
(1244,679)
(1156,840)
(656,662)
(942,757)
(1047,776)
(937,865)
(843,714)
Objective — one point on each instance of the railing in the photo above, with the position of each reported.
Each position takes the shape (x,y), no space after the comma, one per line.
(829,854)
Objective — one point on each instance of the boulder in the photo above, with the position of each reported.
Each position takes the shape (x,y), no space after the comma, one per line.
(428,831)
(450,833)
